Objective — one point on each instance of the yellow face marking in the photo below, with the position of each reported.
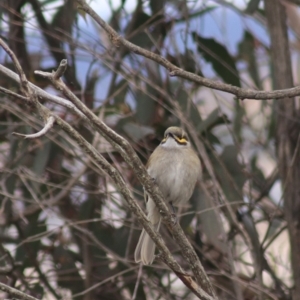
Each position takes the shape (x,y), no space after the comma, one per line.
(181,140)
(164,140)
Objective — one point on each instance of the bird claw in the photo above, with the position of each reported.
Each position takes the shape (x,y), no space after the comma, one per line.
(173,214)
(175,219)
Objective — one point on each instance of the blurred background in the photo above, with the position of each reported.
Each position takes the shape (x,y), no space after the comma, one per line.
(65,231)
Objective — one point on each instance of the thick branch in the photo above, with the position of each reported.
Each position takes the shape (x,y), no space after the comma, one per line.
(287,131)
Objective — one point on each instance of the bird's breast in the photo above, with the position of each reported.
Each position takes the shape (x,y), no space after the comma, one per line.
(175,174)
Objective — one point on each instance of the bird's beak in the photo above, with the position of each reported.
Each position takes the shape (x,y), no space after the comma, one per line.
(182,141)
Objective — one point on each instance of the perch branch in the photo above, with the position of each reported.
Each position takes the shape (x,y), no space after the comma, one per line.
(132,159)
(203,289)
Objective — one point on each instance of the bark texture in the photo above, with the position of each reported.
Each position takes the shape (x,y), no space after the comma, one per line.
(287,131)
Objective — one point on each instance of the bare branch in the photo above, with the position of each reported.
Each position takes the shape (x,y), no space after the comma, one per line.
(132,159)
(10,93)
(135,208)
(61,69)
(23,79)
(15,292)
(40,93)
(241,93)
(203,289)
(46,128)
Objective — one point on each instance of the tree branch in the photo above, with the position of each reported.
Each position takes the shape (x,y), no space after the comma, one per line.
(40,93)
(47,127)
(203,288)
(133,160)
(15,292)
(241,93)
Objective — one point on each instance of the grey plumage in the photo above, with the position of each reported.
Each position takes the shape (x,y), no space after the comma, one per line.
(175,167)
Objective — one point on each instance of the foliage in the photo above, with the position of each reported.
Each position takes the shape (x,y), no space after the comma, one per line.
(65,229)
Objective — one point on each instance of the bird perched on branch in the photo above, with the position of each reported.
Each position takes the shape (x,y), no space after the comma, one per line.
(175,167)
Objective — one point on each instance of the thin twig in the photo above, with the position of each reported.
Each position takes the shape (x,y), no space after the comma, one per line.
(10,93)
(40,93)
(15,292)
(61,69)
(42,132)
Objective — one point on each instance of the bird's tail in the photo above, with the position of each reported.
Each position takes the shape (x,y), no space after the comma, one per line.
(145,249)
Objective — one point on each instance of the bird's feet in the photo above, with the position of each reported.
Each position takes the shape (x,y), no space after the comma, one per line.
(174,217)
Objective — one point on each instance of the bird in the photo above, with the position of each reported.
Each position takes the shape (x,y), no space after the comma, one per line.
(175,168)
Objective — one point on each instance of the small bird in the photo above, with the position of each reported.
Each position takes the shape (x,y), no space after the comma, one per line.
(175,167)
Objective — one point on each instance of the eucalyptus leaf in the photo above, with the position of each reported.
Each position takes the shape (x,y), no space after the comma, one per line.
(230,173)
(210,224)
(212,120)
(188,108)
(145,108)
(66,271)
(252,6)
(27,252)
(216,54)
(246,49)
(137,132)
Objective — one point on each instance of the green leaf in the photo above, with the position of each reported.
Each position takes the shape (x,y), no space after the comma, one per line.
(27,252)
(87,208)
(157,6)
(197,14)
(66,271)
(188,216)
(120,242)
(272,122)
(247,53)
(188,108)
(216,54)
(274,225)
(121,88)
(230,173)
(252,6)
(238,119)
(209,220)
(185,61)
(37,291)
(145,108)
(65,17)
(214,119)
(41,159)
(137,132)
(136,30)
(249,226)
(259,181)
